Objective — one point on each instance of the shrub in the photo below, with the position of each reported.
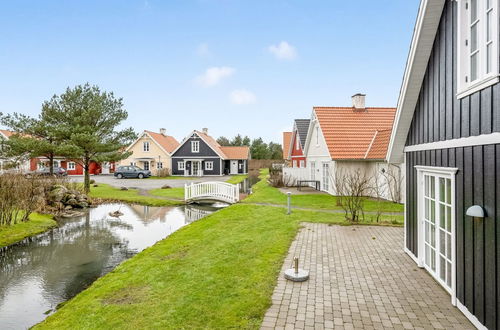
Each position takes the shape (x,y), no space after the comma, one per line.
(163,172)
(92,181)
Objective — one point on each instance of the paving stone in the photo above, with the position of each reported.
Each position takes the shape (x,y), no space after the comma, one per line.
(357,282)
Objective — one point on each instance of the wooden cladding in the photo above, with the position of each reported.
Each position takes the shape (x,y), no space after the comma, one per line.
(477,241)
(439,115)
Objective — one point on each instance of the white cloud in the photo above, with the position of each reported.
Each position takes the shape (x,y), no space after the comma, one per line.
(283,51)
(203,50)
(242,96)
(214,75)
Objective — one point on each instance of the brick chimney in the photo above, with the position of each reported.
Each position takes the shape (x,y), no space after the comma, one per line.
(163,131)
(205,130)
(358,102)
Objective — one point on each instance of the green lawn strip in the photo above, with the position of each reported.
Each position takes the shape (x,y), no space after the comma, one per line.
(178,193)
(218,272)
(264,193)
(38,223)
(107,192)
(180,177)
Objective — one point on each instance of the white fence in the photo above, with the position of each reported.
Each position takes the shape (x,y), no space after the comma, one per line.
(220,191)
(293,174)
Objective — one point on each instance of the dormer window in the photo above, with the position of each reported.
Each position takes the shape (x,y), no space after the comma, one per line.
(477,45)
(145,146)
(195,146)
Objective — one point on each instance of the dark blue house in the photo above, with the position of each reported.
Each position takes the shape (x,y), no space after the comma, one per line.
(199,154)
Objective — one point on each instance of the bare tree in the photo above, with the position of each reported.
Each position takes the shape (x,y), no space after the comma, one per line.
(394,180)
(352,188)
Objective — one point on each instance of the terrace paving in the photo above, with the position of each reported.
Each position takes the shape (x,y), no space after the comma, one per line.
(360,278)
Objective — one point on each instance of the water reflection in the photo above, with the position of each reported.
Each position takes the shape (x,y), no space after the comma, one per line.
(40,273)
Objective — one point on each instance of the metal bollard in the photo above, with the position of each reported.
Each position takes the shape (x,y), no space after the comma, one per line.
(289,203)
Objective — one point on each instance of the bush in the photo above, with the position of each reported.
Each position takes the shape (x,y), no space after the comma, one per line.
(163,172)
(92,181)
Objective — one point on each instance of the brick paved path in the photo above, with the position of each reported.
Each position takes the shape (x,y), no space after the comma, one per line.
(360,278)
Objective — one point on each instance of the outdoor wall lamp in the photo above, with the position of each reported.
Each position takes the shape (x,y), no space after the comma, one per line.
(475,211)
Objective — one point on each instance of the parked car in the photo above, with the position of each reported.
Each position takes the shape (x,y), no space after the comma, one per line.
(58,171)
(131,172)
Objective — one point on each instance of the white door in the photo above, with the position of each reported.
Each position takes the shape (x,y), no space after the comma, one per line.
(234,167)
(196,168)
(313,171)
(437,227)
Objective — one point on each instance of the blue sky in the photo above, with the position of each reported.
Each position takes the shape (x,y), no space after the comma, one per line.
(246,67)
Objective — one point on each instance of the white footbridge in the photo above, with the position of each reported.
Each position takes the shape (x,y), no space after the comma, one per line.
(212,191)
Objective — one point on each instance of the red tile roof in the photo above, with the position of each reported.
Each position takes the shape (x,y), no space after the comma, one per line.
(287,139)
(351,134)
(242,152)
(169,143)
(7,133)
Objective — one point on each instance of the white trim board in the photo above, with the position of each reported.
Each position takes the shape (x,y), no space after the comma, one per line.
(470,316)
(479,140)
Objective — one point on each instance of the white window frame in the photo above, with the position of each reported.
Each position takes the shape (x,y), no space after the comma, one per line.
(195,146)
(294,163)
(181,165)
(148,165)
(209,166)
(302,163)
(159,165)
(145,146)
(449,173)
(325,179)
(71,166)
(484,78)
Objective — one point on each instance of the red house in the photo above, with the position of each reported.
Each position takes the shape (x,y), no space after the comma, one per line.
(298,140)
(72,167)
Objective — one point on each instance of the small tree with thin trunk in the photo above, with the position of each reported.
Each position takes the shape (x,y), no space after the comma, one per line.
(352,187)
(394,180)
(88,119)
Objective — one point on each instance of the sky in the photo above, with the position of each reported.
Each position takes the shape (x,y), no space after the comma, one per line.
(247,67)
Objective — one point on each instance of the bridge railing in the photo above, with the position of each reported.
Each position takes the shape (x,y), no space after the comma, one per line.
(221,191)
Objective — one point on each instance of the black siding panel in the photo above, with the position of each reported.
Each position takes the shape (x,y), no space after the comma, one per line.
(478,242)
(439,115)
(490,278)
(468,231)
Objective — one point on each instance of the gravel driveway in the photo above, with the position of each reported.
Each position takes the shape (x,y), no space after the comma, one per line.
(150,183)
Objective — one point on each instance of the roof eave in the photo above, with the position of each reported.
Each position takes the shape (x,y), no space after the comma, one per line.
(424,33)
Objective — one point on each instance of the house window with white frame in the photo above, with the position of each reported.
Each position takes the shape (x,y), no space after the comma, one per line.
(159,165)
(181,165)
(209,166)
(302,164)
(294,163)
(71,166)
(145,146)
(195,146)
(478,39)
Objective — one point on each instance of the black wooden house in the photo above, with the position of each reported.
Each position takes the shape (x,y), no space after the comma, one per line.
(447,130)
(200,155)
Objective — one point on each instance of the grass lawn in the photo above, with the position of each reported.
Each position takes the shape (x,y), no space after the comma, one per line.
(107,192)
(264,193)
(215,273)
(38,223)
(178,193)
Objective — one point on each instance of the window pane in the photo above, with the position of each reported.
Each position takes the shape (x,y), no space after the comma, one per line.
(448,272)
(433,236)
(488,25)
(433,211)
(433,187)
(441,189)
(442,268)
(473,10)
(426,185)
(473,38)
(426,232)
(442,242)
(426,203)
(448,218)
(442,215)
(448,246)
(433,260)
(473,67)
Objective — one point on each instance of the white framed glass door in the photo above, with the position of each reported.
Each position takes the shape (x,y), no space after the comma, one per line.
(437,225)
(196,168)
